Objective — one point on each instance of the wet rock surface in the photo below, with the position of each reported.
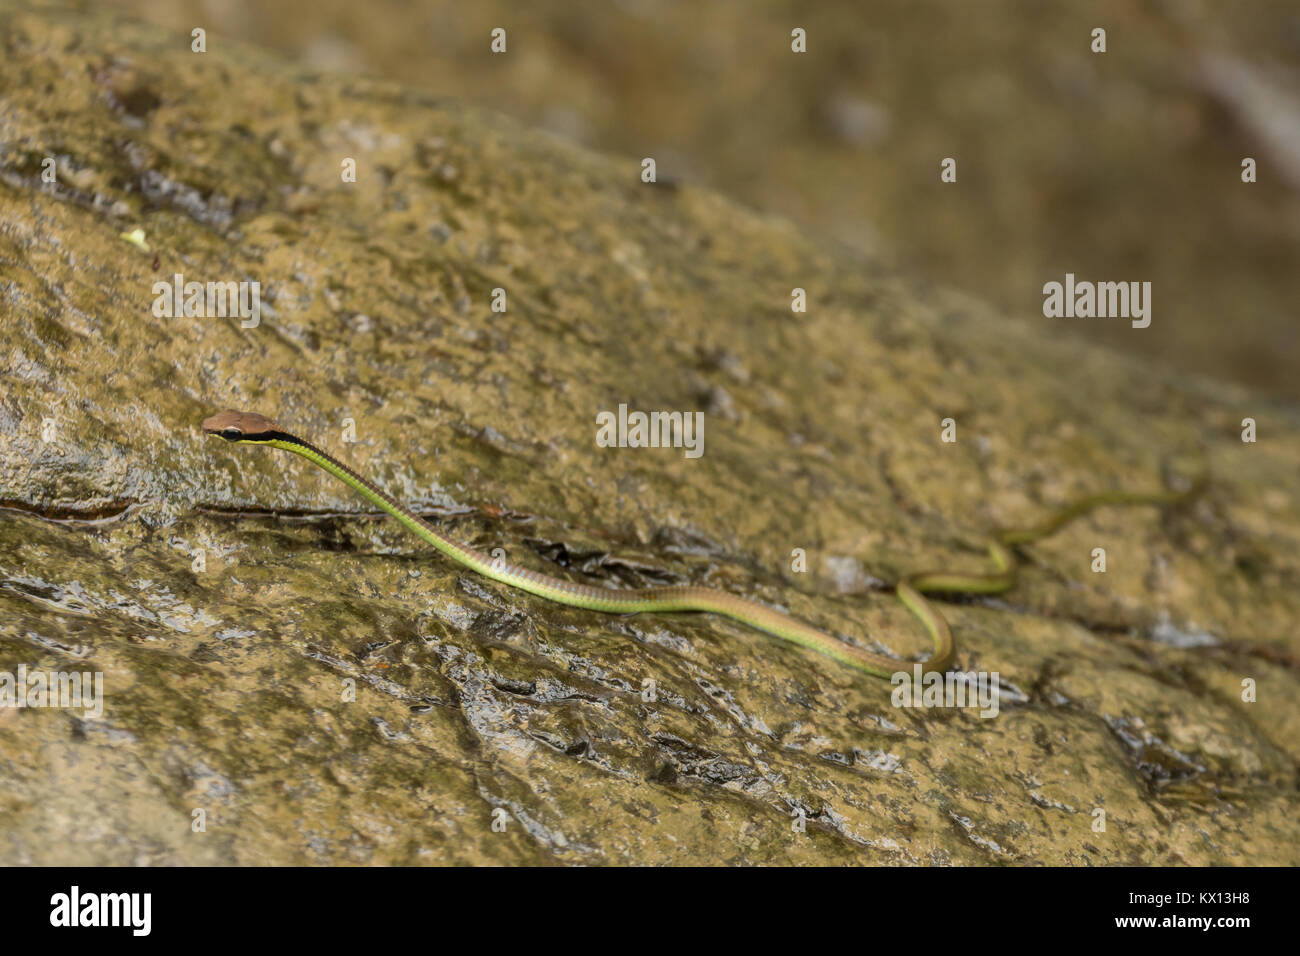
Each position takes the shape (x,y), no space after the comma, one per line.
(228,681)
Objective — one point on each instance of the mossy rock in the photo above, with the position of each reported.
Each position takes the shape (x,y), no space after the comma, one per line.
(228,684)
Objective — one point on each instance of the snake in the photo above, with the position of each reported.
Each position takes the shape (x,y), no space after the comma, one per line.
(911,589)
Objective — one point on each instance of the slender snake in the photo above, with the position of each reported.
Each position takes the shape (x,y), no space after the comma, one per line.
(251,428)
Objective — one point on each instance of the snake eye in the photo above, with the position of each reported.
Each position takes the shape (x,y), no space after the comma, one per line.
(231,434)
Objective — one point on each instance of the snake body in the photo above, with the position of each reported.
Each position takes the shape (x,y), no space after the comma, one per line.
(251,428)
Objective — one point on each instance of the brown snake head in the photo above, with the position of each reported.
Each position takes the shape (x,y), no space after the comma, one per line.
(240,426)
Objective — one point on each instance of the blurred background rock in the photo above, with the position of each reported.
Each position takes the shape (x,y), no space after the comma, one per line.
(1120,166)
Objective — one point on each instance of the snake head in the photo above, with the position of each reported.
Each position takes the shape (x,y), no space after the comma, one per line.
(240,426)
